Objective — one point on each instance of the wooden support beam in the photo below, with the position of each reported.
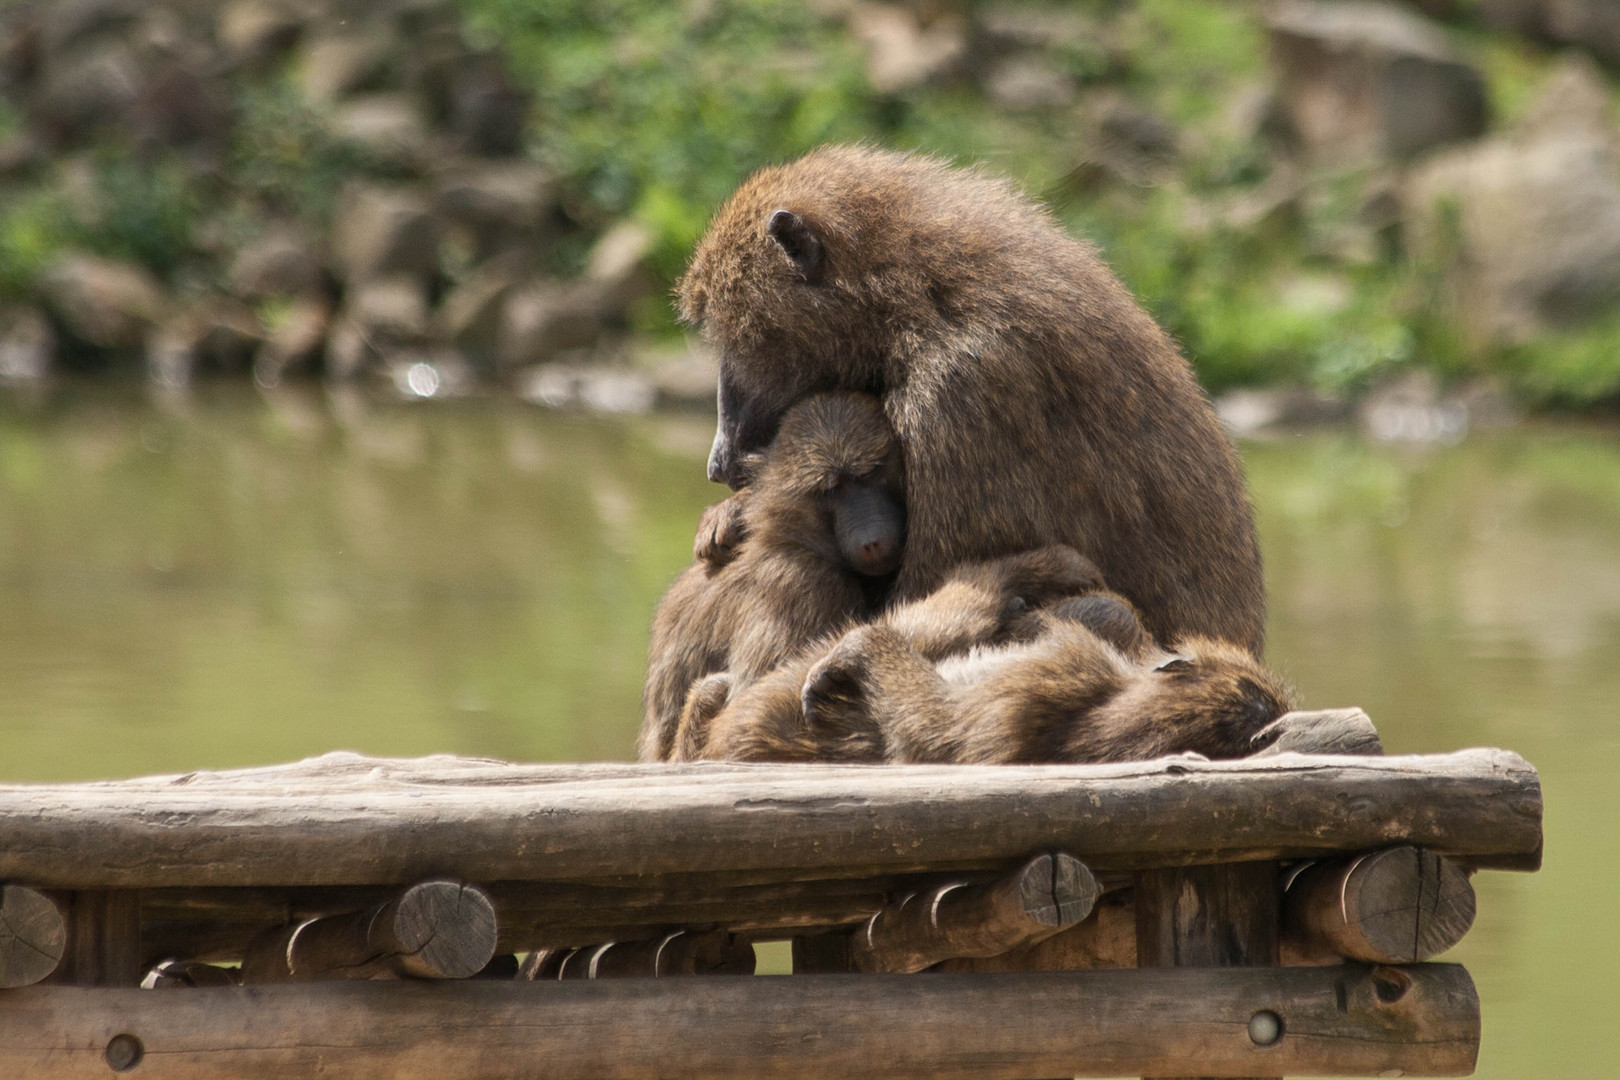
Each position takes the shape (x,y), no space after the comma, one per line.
(1207,917)
(103,938)
(1107,939)
(189,975)
(433,930)
(960,919)
(1352,1021)
(1396,906)
(33,936)
(822,954)
(715,952)
(392,821)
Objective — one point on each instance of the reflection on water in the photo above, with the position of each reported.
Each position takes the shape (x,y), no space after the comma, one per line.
(245,580)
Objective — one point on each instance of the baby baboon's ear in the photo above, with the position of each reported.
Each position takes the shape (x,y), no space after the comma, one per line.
(800,243)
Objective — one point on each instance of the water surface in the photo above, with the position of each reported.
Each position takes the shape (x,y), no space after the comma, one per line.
(242,579)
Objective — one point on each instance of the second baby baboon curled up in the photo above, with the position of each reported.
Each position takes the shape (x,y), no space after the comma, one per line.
(1075,681)
(826,529)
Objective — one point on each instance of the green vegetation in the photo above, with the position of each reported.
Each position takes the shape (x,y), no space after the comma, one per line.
(659,109)
(656,110)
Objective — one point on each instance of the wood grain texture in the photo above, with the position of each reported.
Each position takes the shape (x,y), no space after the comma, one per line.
(960,919)
(1396,906)
(1208,917)
(1351,1021)
(103,938)
(344,820)
(33,936)
(1105,940)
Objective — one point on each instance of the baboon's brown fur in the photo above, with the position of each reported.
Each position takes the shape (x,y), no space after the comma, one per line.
(1075,683)
(1035,401)
(791,582)
(994,602)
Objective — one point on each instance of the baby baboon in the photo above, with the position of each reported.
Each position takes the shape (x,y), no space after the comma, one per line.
(1078,681)
(1036,402)
(826,525)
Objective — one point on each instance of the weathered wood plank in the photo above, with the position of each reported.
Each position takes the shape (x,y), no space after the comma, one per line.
(1353,1021)
(398,822)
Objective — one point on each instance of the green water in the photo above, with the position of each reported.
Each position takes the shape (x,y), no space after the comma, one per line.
(245,579)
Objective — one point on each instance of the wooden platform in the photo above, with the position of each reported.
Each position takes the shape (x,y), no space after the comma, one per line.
(409,875)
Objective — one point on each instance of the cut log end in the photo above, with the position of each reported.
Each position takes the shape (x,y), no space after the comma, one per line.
(444,930)
(33,936)
(1401,905)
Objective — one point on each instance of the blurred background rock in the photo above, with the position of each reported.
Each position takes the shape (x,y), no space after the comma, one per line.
(1318,197)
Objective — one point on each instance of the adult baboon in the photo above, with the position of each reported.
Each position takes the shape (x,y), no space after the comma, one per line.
(1036,402)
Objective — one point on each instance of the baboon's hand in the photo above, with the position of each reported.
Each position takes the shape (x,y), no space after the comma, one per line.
(835,679)
(721,531)
(1040,576)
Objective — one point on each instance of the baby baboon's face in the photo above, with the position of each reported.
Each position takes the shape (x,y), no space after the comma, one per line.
(835,467)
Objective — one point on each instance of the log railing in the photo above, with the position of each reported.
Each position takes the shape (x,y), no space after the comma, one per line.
(376,890)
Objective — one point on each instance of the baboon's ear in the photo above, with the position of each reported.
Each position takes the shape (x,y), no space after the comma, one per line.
(799,242)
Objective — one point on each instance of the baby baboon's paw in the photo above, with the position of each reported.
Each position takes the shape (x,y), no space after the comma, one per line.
(704,701)
(835,680)
(720,532)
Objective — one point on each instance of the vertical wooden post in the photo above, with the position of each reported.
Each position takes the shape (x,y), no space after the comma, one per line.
(822,954)
(103,938)
(1208,916)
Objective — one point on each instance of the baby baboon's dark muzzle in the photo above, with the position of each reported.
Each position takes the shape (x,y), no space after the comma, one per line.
(870,527)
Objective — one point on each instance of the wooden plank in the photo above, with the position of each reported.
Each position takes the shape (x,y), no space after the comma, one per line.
(960,919)
(33,936)
(1208,917)
(401,822)
(1352,1021)
(1396,906)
